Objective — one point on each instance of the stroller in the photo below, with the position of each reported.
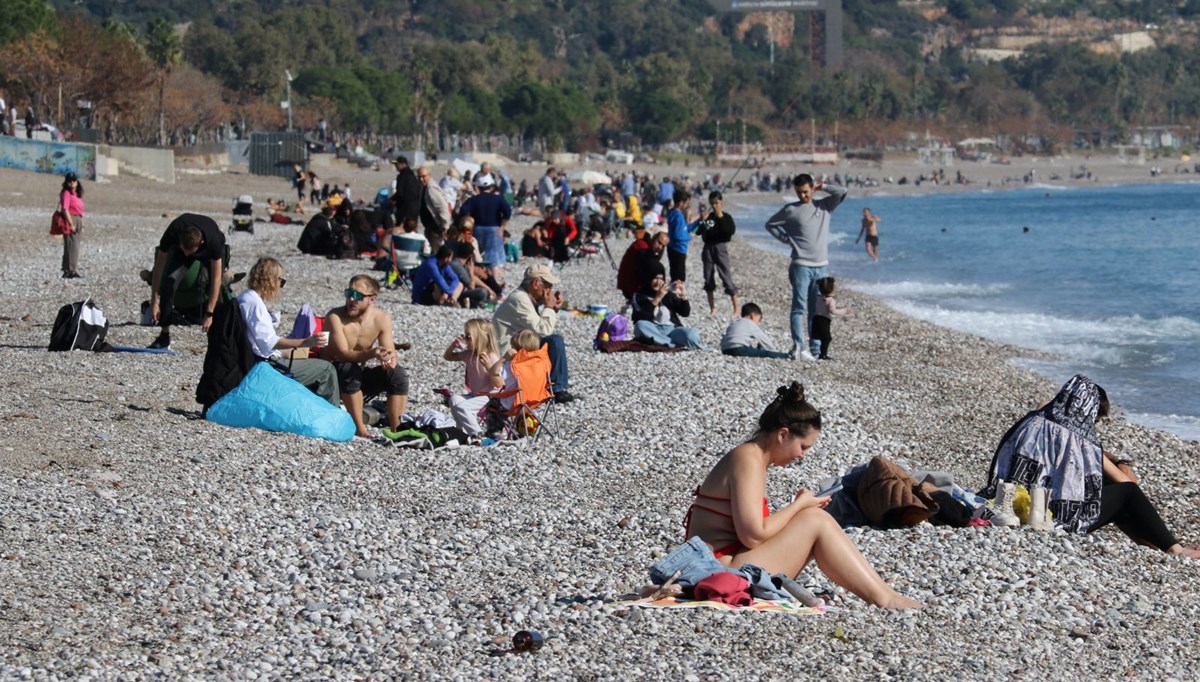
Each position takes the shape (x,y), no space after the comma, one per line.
(243,215)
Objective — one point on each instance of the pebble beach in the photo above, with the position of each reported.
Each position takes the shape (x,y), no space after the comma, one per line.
(137,540)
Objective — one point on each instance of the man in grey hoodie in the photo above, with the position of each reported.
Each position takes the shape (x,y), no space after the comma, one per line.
(804,226)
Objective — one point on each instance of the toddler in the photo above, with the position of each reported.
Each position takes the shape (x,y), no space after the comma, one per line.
(826,309)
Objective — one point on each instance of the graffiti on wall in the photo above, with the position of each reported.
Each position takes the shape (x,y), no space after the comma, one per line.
(48,157)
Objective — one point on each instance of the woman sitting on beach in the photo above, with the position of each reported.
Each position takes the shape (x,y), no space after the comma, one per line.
(731,513)
(1056,447)
(657,310)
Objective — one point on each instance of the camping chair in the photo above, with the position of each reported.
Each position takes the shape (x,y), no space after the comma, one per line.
(402,277)
(533,398)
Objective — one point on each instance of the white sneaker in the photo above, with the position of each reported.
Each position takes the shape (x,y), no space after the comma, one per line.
(1001,507)
(805,356)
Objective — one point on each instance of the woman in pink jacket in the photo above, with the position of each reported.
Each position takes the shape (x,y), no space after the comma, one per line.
(70,202)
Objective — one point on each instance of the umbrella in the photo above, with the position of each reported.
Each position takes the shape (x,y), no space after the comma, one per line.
(589,177)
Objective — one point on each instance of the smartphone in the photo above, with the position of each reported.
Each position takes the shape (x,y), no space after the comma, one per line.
(836,487)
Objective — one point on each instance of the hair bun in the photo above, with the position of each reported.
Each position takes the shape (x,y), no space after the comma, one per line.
(792,393)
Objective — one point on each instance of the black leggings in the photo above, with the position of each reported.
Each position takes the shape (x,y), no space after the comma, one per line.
(1127,506)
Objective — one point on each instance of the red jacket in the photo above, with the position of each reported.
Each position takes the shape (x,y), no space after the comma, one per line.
(629,274)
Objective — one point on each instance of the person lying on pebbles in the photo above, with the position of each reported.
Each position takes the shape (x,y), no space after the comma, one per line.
(731,513)
(1056,447)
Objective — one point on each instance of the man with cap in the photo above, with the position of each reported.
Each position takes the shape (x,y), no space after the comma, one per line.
(491,213)
(534,307)
(189,239)
(407,196)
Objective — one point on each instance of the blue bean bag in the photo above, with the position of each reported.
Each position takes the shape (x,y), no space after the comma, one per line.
(268,400)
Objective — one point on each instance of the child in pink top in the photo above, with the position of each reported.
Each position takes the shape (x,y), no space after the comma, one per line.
(476,348)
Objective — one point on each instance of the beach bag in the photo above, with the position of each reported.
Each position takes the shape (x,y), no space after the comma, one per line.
(80,326)
(60,224)
(268,400)
(614,327)
(345,246)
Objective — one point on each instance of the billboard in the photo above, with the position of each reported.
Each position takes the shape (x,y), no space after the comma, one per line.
(770,5)
(832,10)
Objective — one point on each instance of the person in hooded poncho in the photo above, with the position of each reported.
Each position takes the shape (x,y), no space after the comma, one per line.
(1056,447)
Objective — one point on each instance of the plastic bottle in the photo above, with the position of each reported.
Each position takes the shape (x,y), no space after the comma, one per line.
(371,416)
(799,592)
(527,640)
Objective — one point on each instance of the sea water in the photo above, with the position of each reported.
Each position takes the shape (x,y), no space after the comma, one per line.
(1105,278)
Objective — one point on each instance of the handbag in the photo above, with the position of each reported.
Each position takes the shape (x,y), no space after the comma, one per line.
(60,223)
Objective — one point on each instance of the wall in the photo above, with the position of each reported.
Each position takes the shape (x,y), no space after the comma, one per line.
(156,164)
(48,157)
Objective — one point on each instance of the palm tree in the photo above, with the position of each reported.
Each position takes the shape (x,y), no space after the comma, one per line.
(165,50)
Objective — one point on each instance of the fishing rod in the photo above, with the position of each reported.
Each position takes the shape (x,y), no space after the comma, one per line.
(750,155)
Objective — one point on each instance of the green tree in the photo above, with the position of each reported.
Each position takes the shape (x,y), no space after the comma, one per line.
(357,108)
(562,112)
(19,17)
(658,118)
(165,50)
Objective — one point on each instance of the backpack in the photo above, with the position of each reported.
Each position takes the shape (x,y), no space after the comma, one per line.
(345,247)
(80,326)
(614,327)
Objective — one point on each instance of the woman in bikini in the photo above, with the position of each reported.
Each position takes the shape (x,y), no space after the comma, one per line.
(731,512)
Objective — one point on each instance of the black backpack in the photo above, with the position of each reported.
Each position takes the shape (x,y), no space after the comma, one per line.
(80,326)
(345,247)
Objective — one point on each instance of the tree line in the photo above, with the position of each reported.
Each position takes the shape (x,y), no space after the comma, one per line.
(579,75)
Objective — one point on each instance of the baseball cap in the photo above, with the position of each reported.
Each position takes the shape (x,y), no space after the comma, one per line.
(486,181)
(540,271)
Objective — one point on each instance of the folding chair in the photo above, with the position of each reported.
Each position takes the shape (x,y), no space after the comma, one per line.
(399,277)
(533,398)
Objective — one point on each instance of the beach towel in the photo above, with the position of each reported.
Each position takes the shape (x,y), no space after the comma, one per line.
(1056,447)
(762,605)
(634,347)
(139,349)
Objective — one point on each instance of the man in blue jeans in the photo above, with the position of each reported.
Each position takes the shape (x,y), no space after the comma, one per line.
(534,306)
(804,226)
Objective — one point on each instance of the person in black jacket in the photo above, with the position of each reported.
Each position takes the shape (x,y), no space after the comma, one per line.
(407,197)
(657,310)
(717,228)
(317,238)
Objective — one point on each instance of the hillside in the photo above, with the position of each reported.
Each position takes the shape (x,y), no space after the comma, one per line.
(574,74)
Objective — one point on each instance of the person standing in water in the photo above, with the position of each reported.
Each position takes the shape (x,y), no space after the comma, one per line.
(870,227)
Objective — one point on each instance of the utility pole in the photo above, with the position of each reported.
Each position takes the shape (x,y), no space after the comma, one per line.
(771,40)
(288,74)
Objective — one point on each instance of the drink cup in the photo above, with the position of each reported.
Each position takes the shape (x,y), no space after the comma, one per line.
(322,339)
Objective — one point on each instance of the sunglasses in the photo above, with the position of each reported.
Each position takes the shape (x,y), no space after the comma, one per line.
(282,282)
(356,295)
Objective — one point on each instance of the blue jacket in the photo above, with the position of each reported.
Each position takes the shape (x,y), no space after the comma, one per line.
(429,273)
(678,231)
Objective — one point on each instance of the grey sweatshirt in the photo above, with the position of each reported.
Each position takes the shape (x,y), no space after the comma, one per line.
(743,333)
(805,227)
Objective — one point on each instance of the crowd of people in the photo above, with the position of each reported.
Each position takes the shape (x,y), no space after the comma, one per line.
(450,243)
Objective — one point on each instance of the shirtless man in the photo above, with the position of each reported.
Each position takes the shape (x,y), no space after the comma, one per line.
(869,227)
(359,333)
